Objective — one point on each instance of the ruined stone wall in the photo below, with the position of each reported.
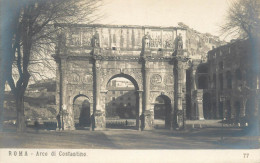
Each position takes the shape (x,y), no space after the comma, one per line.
(236,89)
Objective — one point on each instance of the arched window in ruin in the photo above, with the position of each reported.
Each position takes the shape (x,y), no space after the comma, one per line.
(203,82)
(202,69)
(238,74)
(214,80)
(229,79)
(221,65)
(221,81)
(206,105)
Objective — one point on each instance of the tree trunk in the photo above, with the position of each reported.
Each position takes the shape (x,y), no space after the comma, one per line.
(20,113)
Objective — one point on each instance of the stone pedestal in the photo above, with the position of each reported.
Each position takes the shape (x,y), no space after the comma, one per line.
(68,119)
(99,120)
(148,120)
(180,118)
(200,115)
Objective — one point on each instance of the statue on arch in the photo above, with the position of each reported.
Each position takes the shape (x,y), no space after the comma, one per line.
(179,42)
(95,40)
(146,41)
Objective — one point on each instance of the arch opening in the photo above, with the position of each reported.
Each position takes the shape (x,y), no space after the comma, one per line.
(162,112)
(122,102)
(229,79)
(206,106)
(81,109)
(203,82)
(203,69)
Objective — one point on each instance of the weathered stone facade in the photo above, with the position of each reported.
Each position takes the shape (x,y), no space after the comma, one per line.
(154,59)
(229,82)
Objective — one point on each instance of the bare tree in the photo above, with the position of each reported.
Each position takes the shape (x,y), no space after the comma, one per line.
(31,30)
(243,19)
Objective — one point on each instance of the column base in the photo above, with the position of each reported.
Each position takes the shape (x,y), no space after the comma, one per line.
(180,119)
(138,123)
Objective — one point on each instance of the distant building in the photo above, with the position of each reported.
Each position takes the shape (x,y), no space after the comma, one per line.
(121,100)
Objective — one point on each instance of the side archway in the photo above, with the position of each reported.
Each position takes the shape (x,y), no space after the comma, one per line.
(82,111)
(206,105)
(162,112)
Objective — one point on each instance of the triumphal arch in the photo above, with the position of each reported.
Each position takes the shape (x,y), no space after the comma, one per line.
(152,58)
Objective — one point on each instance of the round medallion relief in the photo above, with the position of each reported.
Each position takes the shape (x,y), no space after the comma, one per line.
(156,79)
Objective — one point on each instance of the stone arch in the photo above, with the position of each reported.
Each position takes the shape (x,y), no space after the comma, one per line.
(134,75)
(154,95)
(124,104)
(122,75)
(162,110)
(81,111)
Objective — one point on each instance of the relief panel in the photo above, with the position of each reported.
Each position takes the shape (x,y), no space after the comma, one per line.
(123,41)
(168,39)
(86,36)
(105,38)
(138,38)
(75,37)
(156,39)
(115,35)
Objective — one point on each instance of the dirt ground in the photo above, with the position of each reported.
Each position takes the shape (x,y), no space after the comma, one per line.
(197,138)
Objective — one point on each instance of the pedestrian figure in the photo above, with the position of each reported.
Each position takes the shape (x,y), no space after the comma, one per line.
(93,122)
(126,122)
(36,126)
(58,121)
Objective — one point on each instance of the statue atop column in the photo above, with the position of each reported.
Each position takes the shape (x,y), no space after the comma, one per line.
(179,42)
(146,41)
(95,40)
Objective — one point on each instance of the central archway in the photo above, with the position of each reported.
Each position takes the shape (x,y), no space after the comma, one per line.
(122,102)
(162,112)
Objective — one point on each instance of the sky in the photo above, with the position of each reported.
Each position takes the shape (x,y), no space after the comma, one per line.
(202,15)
